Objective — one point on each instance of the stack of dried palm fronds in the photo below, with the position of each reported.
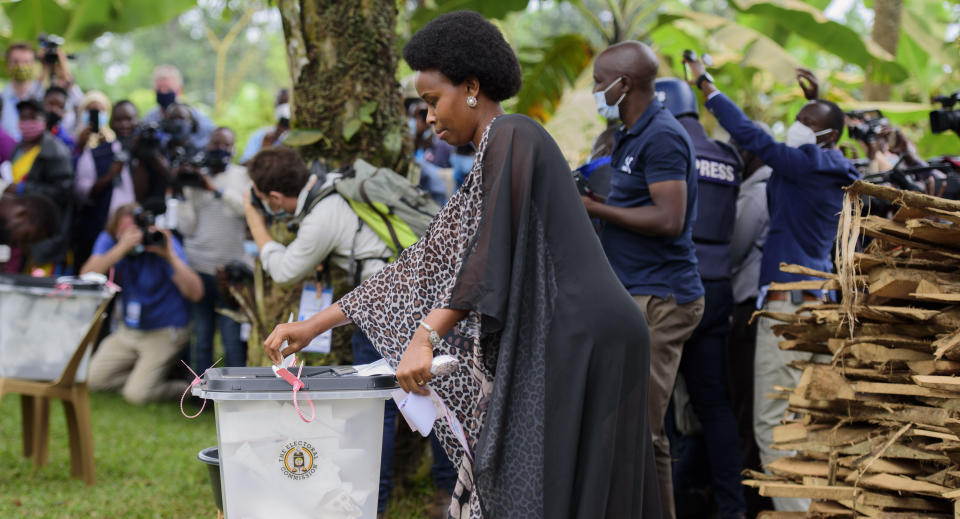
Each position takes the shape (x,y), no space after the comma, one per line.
(878,427)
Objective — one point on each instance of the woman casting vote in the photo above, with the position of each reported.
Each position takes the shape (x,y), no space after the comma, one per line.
(511,279)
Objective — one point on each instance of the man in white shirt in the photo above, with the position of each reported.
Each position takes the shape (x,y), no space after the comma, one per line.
(328,229)
(211,219)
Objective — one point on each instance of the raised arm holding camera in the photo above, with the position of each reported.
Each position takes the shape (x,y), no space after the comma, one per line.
(161,150)
(805,196)
(25,84)
(150,266)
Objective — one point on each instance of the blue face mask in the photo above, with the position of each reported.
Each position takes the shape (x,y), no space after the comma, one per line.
(282,214)
(608,112)
(412,126)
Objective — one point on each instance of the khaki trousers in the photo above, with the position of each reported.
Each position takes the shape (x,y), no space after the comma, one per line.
(670,326)
(770,365)
(136,362)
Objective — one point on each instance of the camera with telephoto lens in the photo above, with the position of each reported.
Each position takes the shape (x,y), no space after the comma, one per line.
(872,123)
(200,164)
(49,43)
(148,140)
(145,220)
(948,118)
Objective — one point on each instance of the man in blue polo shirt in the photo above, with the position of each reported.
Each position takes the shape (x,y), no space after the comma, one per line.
(156,284)
(648,220)
(804,196)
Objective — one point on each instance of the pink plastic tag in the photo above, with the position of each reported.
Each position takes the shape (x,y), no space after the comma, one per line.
(196,380)
(297,385)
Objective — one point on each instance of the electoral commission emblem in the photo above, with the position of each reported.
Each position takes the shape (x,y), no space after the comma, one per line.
(297,460)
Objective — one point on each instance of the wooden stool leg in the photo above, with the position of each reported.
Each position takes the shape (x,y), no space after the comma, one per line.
(41,430)
(80,430)
(26,417)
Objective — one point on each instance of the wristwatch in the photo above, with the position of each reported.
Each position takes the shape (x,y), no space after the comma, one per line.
(704,77)
(434,336)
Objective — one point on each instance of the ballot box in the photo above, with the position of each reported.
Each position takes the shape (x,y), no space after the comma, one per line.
(275,464)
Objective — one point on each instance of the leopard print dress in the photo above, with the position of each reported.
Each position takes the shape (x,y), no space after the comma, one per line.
(389,306)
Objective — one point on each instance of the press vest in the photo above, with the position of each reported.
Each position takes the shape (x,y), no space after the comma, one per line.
(719,172)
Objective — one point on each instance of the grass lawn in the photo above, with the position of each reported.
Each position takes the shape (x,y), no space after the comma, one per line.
(146,459)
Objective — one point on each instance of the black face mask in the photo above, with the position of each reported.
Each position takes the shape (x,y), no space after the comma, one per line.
(177,129)
(218,160)
(4,234)
(165,99)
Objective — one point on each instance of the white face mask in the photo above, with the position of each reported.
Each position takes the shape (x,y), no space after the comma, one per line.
(799,134)
(282,111)
(606,111)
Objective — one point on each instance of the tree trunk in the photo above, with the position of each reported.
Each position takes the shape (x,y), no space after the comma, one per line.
(886,33)
(346,104)
(346,101)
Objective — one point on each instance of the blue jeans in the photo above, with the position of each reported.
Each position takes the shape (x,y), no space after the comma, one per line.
(205,321)
(444,473)
(703,367)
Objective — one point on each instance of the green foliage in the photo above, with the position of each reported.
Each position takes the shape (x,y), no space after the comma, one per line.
(146,462)
(728,41)
(303,137)
(810,23)
(550,69)
(489,8)
(350,128)
(82,21)
(250,108)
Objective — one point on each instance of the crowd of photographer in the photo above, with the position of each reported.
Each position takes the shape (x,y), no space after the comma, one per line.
(154,204)
(695,228)
(158,204)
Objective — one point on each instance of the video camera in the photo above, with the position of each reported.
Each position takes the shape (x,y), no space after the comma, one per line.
(148,140)
(49,43)
(910,179)
(200,164)
(872,123)
(145,220)
(948,118)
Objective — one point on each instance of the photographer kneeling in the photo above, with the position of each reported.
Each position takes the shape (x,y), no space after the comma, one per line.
(151,269)
(211,219)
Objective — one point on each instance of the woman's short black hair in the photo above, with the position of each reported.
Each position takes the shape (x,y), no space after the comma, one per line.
(463,44)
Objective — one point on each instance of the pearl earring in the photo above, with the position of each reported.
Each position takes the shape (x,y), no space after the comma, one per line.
(471,101)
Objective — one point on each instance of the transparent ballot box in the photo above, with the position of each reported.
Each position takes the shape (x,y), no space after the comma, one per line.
(275,464)
(42,321)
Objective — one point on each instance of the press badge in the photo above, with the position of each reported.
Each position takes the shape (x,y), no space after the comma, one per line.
(132,315)
(312,302)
